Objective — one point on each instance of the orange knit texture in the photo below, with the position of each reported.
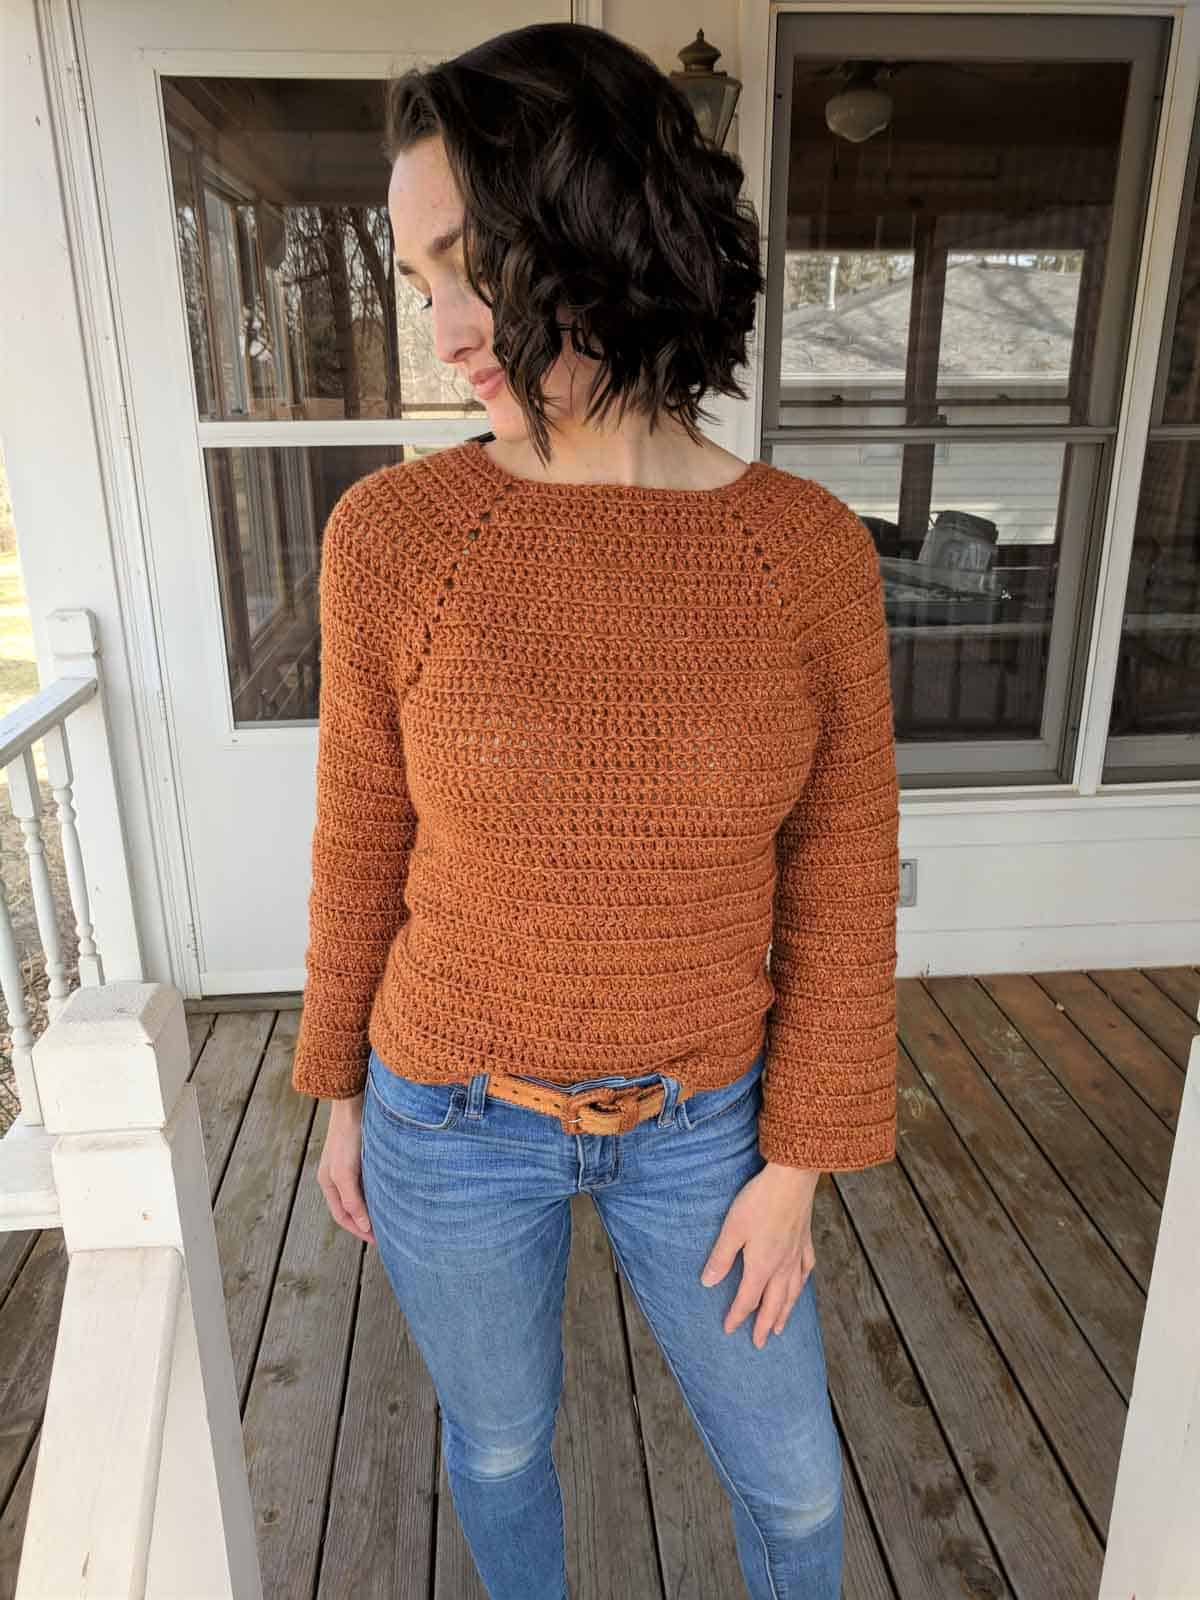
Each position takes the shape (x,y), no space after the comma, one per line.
(585,752)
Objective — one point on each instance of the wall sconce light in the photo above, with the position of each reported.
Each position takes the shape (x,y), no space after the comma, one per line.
(712,94)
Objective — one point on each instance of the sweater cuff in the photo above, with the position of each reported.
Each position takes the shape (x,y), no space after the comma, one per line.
(324,1084)
(826,1149)
(331,1053)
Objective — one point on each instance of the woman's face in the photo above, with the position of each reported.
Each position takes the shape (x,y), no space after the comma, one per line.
(426,211)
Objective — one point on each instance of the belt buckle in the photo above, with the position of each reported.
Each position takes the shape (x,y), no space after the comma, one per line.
(603,1101)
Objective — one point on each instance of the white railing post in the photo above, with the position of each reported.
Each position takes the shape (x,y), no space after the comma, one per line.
(74,637)
(1153,1546)
(62,786)
(143,1357)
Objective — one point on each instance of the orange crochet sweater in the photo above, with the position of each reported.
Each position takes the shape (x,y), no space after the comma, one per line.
(585,751)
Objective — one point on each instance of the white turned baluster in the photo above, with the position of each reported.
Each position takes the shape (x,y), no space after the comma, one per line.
(74,638)
(13,984)
(99,878)
(61,776)
(25,797)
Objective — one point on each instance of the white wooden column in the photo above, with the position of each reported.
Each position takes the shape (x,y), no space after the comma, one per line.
(1153,1548)
(140,1485)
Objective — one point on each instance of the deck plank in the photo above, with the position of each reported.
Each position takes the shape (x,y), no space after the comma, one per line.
(379,1535)
(258,1192)
(1147,1069)
(14,1253)
(1181,984)
(198,1030)
(936,1544)
(13,1520)
(1075,1402)
(1139,1136)
(865,1572)
(1033,1518)
(1064,1187)
(1150,1010)
(691,1508)
(292,1412)
(28,1331)
(223,1076)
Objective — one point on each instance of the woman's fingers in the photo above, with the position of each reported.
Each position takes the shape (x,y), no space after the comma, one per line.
(359,1223)
(340,1178)
(343,1194)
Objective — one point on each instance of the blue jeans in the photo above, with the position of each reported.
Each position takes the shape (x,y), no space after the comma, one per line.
(469,1199)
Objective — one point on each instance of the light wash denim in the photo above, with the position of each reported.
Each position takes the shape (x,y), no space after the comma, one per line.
(469,1198)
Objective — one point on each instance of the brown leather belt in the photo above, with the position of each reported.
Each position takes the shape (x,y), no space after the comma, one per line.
(608,1110)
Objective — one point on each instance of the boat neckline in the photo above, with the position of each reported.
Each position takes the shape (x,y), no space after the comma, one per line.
(476,456)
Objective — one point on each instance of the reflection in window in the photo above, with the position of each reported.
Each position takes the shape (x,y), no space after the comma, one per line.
(845,320)
(947,271)
(970,598)
(1009,319)
(922,270)
(1006,334)
(295,311)
(1181,400)
(1158,672)
(188,234)
(226,306)
(269,508)
(1154,730)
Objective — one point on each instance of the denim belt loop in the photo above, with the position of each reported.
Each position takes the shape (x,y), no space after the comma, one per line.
(476,1096)
(671,1087)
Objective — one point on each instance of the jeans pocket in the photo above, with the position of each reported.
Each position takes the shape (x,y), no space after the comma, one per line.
(700,1108)
(432,1107)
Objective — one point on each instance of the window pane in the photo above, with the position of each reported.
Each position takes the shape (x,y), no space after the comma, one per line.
(269,507)
(294,307)
(1154,727)
(969,541)
(1158,673)
(188,235)
(1181,398)
(949,276)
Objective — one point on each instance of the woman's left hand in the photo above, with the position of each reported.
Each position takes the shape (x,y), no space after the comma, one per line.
(770,1222)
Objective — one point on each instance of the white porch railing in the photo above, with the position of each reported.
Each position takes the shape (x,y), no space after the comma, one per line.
(1153,1547)
(74,698)
(140,1485)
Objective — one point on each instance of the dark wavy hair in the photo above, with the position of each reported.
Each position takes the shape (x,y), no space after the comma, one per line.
(587,184)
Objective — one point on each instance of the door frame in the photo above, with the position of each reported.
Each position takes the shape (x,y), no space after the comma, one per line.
(164,889)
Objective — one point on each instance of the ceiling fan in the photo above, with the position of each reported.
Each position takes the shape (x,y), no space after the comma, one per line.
(864,108)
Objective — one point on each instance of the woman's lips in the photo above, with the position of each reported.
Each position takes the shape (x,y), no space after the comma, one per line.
(485,388)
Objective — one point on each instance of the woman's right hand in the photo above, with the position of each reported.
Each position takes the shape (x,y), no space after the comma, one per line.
(340,1171)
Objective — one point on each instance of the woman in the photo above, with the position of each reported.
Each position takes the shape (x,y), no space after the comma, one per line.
(604,712)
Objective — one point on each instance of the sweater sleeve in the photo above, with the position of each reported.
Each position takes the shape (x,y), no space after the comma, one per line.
(365,823)
(829,1088)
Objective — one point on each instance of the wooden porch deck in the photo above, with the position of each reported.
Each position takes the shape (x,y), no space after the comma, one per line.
(981,1300)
